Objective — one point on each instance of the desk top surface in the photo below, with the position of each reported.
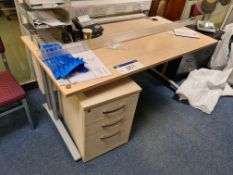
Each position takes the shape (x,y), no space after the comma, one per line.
(150,51)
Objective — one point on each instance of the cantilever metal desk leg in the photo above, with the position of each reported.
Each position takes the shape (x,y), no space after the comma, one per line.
(52,97)
(53,113)
(43,74)
(172,84)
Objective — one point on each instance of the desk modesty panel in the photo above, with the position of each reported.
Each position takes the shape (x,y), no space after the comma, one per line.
(149,51)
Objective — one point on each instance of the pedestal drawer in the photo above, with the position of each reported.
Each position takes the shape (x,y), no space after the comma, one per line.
(99,144)
(110,124)
(100,120)
(121,107)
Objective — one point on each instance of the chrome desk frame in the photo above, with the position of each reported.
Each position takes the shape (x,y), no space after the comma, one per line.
(53,110)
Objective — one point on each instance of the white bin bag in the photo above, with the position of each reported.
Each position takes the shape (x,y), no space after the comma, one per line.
(204,87)
(222,58)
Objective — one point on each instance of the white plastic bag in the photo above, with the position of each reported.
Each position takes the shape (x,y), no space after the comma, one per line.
(204,87)
(221,56)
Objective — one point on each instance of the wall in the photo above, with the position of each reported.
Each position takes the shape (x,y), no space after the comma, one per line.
(217,17)
(15,50)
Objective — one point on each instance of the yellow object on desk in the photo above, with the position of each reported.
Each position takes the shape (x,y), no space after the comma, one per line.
(87,33)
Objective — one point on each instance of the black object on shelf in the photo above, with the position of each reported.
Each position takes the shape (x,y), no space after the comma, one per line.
(96,28)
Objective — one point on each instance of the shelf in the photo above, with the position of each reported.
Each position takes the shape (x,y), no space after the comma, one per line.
(44,19)
(46,4)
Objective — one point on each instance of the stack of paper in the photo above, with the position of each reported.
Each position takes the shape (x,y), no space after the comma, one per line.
(44,19)
(186,33)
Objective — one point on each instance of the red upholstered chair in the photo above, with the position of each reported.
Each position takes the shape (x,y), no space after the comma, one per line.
(10,90)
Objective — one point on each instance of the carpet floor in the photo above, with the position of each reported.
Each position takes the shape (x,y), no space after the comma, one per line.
(168,138)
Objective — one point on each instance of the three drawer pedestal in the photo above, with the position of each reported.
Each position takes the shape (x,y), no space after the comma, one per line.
(100,120)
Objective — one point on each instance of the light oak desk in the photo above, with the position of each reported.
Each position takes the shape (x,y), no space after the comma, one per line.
(150,51)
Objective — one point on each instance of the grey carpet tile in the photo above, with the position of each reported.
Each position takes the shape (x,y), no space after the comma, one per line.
(167,137)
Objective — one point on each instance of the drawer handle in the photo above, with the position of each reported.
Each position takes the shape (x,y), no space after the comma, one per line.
(114,110)
(112,124)
(108,137)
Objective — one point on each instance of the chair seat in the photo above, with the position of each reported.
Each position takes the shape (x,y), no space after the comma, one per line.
(10,90)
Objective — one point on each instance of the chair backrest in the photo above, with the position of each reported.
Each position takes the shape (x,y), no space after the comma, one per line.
(2,53)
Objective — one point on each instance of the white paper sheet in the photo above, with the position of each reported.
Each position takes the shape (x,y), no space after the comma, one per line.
(43,18)
(84,18)
(96,69)
(186,33)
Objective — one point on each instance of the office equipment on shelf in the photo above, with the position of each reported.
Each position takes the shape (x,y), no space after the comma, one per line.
(80,28)
(206,26)
(100,120)
(85,22)
(48,18)
(67,35)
